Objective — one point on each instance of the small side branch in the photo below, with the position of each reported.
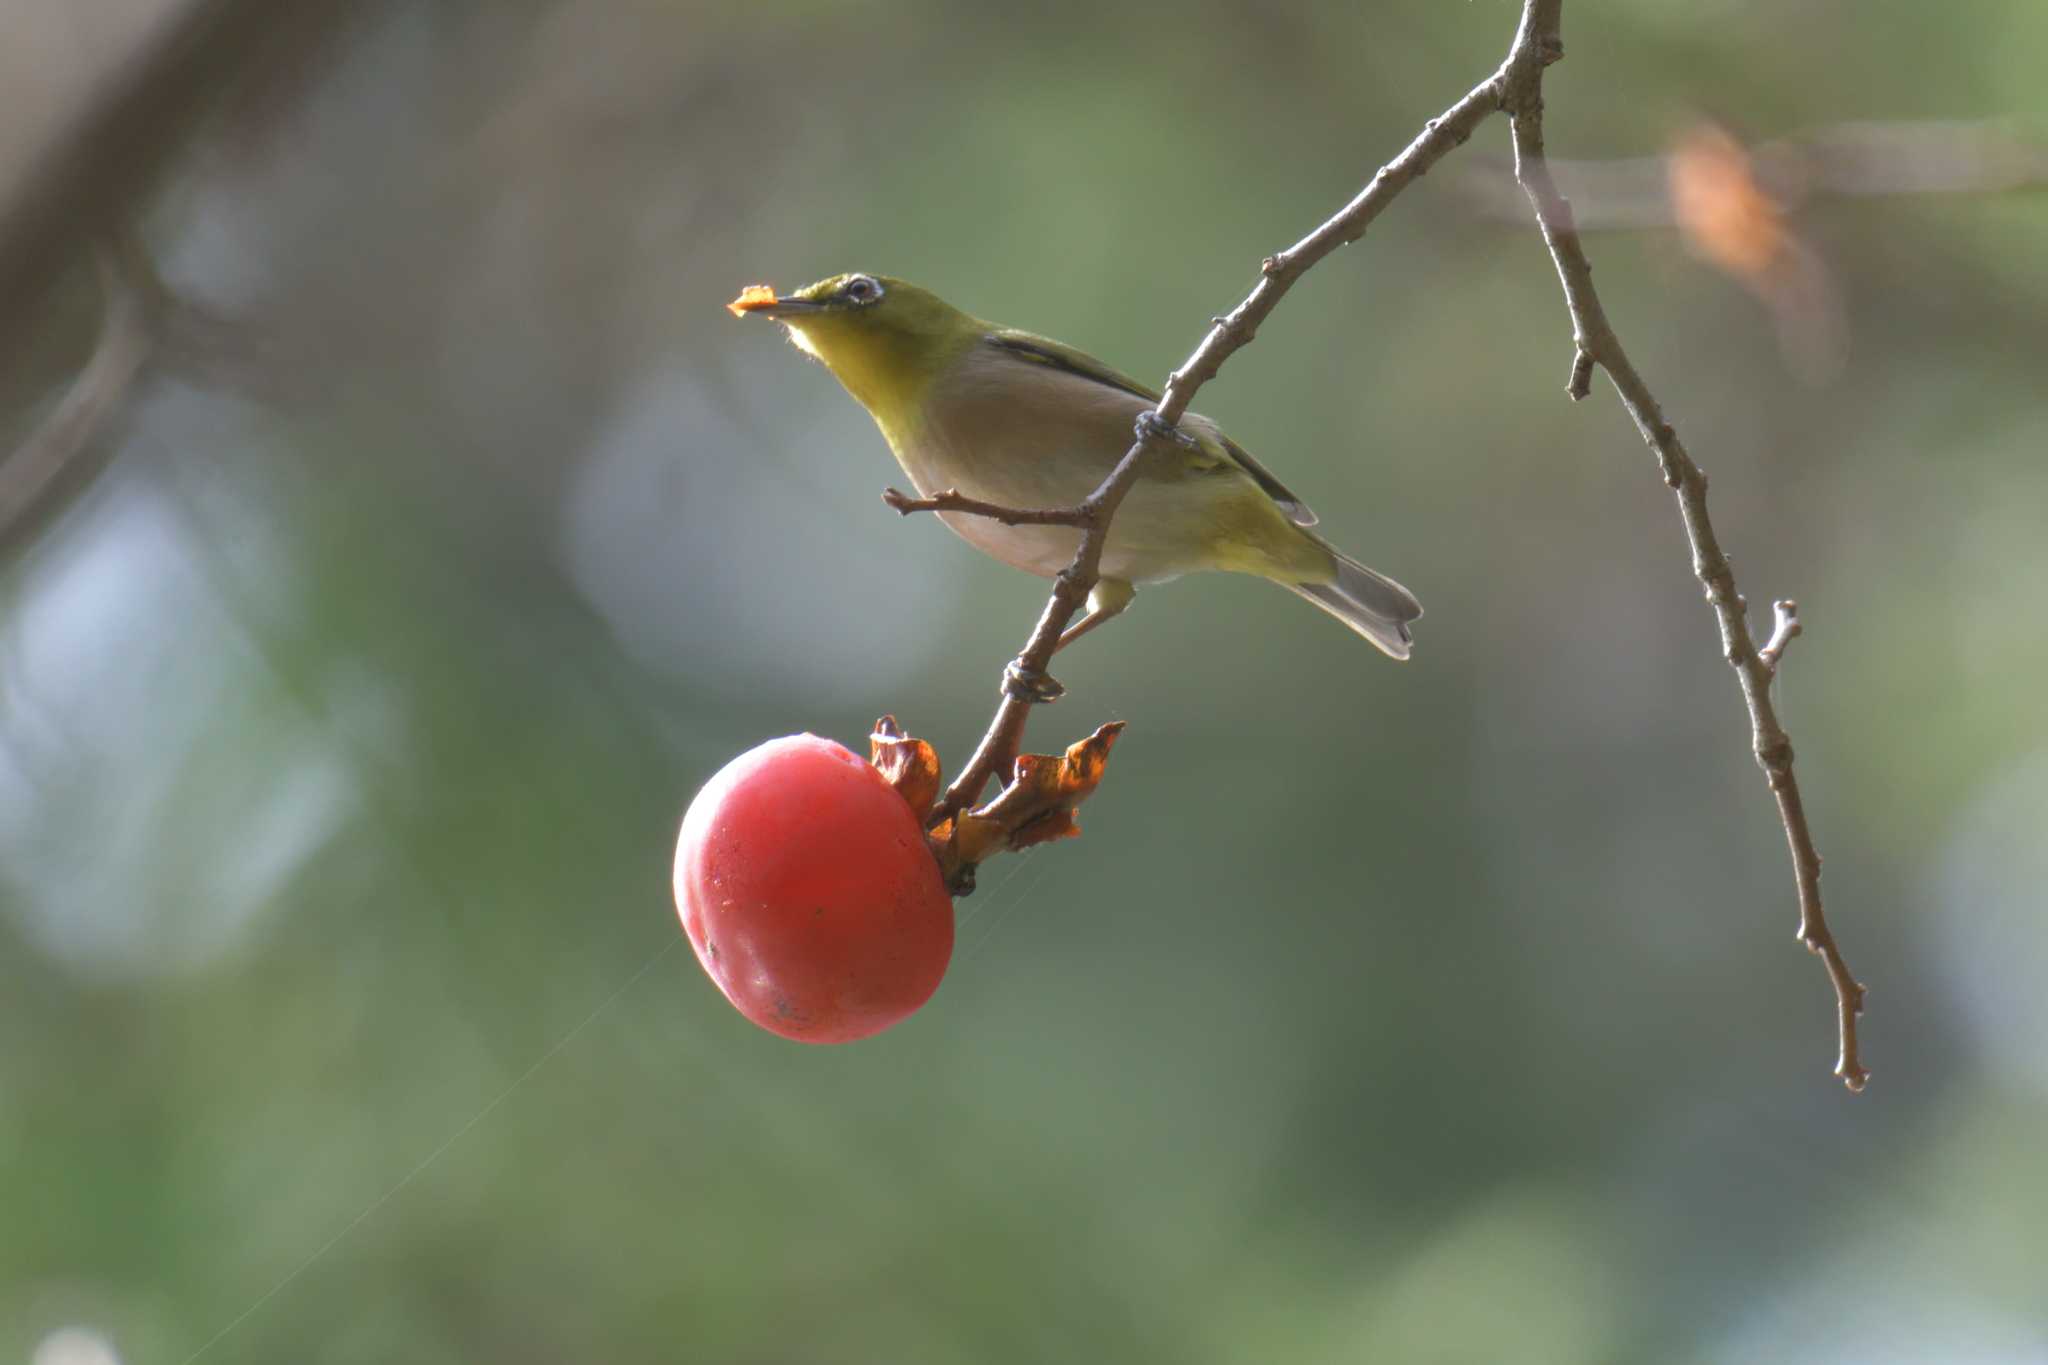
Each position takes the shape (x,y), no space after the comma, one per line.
(1597,344)
(1580,383)
(1787,626)
(954,501)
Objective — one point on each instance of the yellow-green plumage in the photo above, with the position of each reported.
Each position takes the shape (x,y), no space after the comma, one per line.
(1022,421)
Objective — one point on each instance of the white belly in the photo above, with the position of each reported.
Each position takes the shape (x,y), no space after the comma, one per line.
(1043,550)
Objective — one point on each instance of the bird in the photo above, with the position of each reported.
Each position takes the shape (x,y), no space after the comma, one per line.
(1018,420)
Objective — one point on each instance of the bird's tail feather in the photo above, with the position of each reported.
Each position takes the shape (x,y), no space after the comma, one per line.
(1368,601)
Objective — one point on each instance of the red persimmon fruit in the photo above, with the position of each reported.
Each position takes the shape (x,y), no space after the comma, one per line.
(805,884)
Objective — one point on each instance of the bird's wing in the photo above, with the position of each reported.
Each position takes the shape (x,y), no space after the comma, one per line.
(1045,351)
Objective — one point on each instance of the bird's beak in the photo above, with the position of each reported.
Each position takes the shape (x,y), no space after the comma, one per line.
(760,300)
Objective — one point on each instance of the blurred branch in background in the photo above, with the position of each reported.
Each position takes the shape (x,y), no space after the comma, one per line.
(1734,204)
(1596,344)
(144,326)
(1837,161)
(146,72)
(96,398)
(100,102)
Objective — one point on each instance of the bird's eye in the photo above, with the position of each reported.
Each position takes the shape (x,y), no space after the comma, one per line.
(861,289)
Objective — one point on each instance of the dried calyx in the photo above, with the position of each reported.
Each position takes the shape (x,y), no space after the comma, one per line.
(1036,806)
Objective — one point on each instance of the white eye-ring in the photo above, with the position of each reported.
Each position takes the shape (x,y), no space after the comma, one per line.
(861,289)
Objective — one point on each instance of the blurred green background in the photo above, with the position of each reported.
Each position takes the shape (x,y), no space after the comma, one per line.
(352,689)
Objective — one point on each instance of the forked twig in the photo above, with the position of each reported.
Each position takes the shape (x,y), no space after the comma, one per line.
(1596,344)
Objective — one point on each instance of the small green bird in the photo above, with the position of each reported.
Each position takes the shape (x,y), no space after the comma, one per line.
(1006,417)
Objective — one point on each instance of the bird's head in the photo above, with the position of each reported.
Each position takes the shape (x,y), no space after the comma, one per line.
(885,339)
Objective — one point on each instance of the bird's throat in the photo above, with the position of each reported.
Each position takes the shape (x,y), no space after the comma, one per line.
(889,376)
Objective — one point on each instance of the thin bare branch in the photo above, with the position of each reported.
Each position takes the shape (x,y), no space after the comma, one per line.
(1786,615)
(1595,339)
(952,500)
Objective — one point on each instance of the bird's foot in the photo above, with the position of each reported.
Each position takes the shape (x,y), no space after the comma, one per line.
(1150,427)
(1033,686)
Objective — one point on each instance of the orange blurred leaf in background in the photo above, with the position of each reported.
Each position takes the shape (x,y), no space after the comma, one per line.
(1724,213)
(1731,221)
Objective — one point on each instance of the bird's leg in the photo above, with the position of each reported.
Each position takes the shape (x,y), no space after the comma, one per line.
(1109,598)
